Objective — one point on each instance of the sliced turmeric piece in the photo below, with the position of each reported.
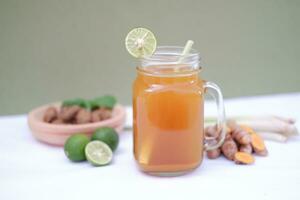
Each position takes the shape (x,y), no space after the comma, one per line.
(258,144)
(243,158)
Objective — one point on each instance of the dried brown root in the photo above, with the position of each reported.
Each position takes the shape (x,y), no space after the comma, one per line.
(68,113)
(243,158)
(58,121)
(105,113)
(101,114)
(50,114)
(83,116)
(96,116)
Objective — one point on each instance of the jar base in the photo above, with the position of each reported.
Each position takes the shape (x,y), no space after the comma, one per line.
(170,174)
(169,171)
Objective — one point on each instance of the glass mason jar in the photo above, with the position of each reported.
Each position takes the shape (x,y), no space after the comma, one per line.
(168,112)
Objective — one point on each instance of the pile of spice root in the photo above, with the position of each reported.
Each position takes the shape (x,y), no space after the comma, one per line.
(241,142)
(81,111)
(75,115)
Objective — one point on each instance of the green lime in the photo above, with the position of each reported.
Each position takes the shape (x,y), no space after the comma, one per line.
(107,135)
(98,153)
(74,147)
(140,42)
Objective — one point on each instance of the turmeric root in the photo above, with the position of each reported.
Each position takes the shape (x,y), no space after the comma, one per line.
(258,145)
(239,134)
(243,158)
(246,148)
(213,154)
(211,131)
(229,148)
(240,142)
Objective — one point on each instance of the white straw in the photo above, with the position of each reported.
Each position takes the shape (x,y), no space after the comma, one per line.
(186,50)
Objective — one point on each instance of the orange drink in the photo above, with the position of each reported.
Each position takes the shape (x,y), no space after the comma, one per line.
(168,115)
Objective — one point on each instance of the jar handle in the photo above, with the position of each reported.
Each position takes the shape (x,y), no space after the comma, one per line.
(214,90)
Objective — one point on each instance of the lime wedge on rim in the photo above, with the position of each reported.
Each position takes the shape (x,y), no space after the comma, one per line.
(140,42)
(98,153)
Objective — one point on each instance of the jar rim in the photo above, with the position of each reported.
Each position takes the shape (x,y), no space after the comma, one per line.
(171,55)
(142,70)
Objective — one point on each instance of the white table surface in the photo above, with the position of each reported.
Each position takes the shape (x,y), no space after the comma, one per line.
(32,170)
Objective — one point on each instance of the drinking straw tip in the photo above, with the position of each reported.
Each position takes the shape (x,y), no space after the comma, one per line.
(186,50)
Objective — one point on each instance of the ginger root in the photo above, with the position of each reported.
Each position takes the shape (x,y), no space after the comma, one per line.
(243,158)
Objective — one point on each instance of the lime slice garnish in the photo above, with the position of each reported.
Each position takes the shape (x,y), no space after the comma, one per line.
(140,42)
(98,153)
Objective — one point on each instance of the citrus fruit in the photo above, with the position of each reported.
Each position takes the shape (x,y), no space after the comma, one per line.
(98,153)
(74,147)
(107,135)
(140,42)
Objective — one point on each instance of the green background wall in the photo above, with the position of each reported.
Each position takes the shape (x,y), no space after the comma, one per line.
(58,49)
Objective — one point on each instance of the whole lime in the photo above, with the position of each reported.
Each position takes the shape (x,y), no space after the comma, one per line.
(74,147)
(107,135)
